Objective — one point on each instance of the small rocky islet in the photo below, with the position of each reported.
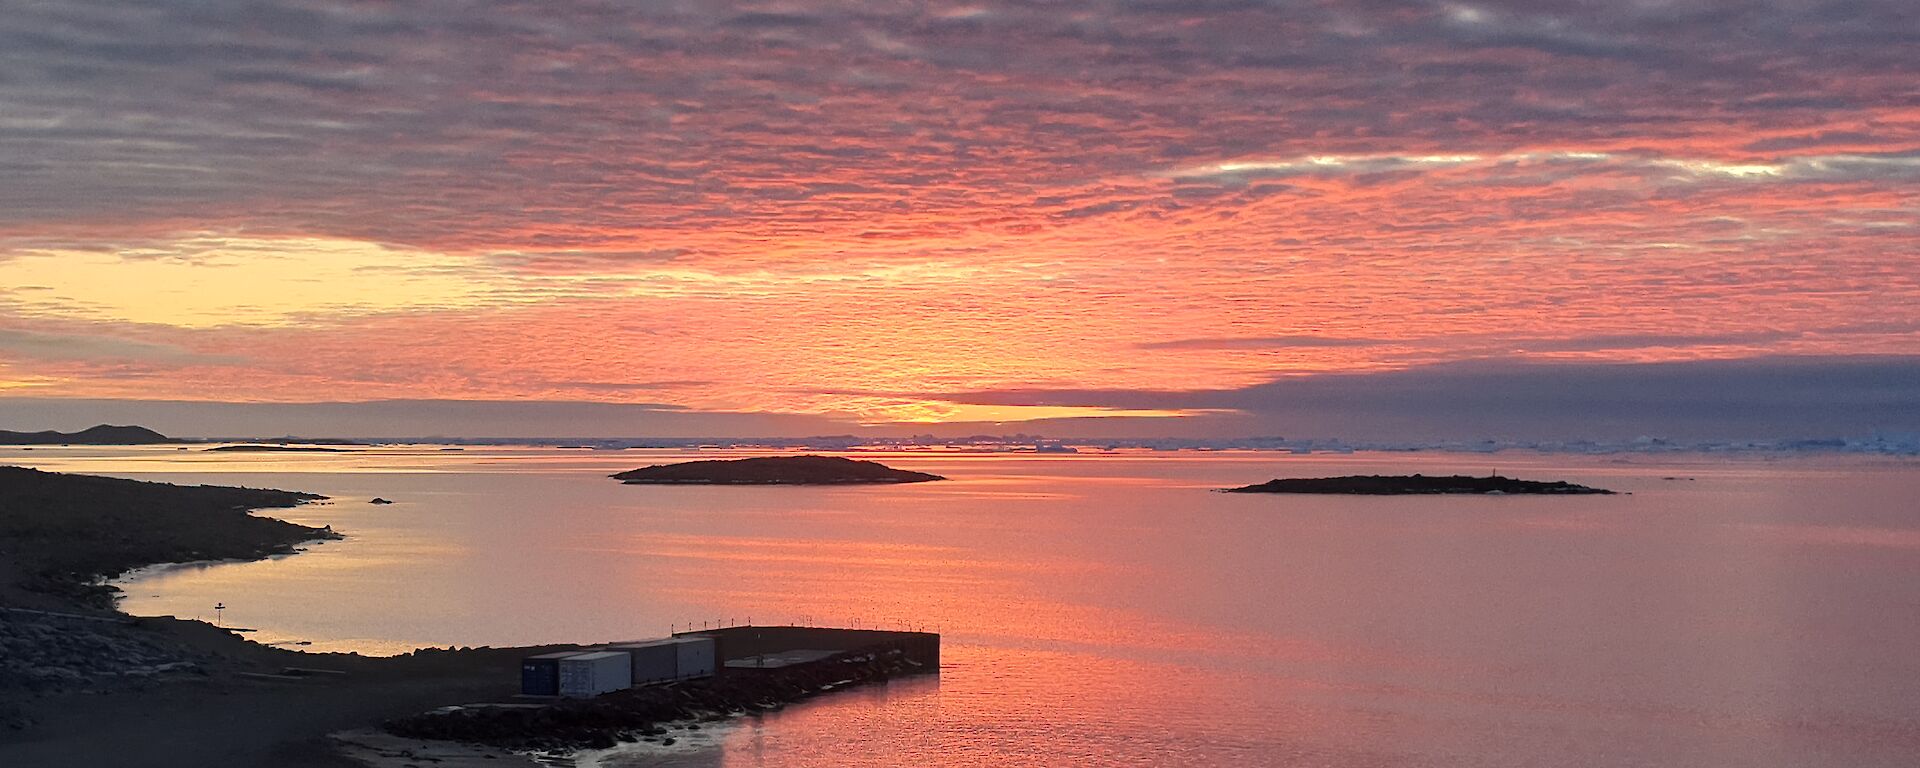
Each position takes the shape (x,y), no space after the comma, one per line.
(254,448)
(773,470)
(1420,485)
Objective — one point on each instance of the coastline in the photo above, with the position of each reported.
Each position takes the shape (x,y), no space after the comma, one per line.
(82,681)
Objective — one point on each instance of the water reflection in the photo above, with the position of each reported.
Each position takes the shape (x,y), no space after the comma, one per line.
(1105,610)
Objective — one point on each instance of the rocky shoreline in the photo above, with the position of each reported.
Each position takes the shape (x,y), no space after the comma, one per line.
(46,655)
(62,536)
(46,651)
(82,684)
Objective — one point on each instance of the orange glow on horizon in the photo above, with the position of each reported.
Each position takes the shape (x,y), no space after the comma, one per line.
(851,222)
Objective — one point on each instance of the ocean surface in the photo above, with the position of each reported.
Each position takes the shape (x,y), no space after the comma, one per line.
(1109,610)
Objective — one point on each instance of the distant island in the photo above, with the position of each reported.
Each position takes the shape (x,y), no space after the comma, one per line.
(104,434)
(773,470)
(276,449)
(1407,485)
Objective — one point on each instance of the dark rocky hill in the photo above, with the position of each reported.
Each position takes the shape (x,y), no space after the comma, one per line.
(773,470)
(104,434)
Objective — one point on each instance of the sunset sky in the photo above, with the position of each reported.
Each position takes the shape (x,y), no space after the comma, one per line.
(1190,217)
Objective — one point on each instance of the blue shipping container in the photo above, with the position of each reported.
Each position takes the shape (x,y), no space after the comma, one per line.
(540,675)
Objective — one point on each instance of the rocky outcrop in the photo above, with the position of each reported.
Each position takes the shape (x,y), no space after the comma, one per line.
(1404,485)
(49,651)
(255,448)
(773,470)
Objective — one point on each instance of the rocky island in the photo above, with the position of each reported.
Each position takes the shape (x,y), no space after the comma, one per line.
(773,470)
(1408,485)
(256,448)
(104,434)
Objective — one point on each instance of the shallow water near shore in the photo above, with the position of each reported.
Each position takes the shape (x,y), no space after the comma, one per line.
(1109,610)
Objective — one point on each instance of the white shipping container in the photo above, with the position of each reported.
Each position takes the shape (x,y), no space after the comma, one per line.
(591,674)
(654,661)
(695,657)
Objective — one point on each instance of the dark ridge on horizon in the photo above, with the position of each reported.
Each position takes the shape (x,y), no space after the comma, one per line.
(103,434)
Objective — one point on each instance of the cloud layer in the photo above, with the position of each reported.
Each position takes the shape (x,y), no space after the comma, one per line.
(791,206)
(1705,399)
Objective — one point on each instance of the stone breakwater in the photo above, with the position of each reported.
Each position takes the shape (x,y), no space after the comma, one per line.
(639,714)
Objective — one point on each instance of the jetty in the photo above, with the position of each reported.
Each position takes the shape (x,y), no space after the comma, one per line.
(597,697)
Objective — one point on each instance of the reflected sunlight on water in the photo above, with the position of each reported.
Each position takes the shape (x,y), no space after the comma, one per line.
(1107,610)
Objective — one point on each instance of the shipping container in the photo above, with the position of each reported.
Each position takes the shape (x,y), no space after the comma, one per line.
(540,675)
(695,656)
(654,661)
(590,674)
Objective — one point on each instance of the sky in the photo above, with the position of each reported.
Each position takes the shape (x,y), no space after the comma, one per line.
(1191,217)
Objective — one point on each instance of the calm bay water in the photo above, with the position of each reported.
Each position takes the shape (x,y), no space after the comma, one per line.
(1109,610)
